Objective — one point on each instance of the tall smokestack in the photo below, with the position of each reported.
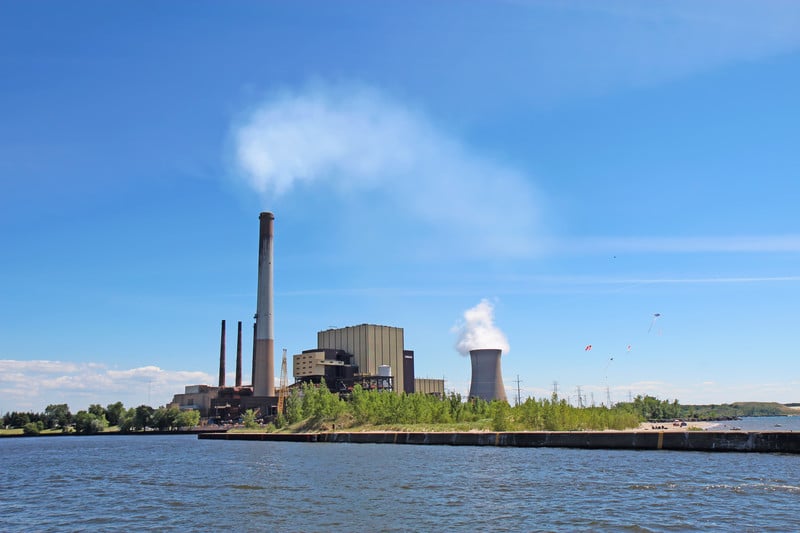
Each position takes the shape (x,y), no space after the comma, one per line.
(239,355)
(264,361)
(253,366)
(487,379)
(222,356)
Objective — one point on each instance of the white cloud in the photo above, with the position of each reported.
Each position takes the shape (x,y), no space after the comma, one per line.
(32,385)
(390,162)
(608,45)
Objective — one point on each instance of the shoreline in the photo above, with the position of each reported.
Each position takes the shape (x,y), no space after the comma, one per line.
(675,440)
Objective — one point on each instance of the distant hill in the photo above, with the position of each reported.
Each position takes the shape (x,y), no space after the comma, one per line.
(737,409)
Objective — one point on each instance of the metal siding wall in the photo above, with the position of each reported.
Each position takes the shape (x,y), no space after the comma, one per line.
(371,345)
(397,360)
(363,349)
(429,385)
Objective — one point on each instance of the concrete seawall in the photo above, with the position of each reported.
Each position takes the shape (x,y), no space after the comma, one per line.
(706,441)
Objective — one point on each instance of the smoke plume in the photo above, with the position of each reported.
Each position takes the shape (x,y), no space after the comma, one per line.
(477,330)
(360,145)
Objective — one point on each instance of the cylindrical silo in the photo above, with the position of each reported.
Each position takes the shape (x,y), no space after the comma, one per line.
(487,379)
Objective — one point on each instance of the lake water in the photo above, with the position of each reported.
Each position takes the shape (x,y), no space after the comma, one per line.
(180,483)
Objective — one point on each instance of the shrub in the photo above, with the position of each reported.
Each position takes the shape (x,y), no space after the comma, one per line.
(32,428)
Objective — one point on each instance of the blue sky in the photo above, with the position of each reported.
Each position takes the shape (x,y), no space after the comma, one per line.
(578,166)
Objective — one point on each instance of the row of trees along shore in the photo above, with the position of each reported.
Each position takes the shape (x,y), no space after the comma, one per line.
(313,407)
(98,418)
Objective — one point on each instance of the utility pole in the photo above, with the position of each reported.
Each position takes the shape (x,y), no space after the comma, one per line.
(592,395)
(555,388)
(580,398)
(518,390)
(608,397)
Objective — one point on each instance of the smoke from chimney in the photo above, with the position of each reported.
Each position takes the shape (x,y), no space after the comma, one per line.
(477,331)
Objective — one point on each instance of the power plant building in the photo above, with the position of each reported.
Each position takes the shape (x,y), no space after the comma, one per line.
(197,398)
(373,347)
(370,355)
(434,387)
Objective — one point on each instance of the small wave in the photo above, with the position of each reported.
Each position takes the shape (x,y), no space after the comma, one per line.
(177,504)
(643,487)
(247,487)
(791,489)
(739,489)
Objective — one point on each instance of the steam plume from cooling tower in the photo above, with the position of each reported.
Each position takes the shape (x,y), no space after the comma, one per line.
(477,330)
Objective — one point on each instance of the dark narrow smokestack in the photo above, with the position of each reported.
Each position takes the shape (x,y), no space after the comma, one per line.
(222,356)
(264,364)
(253,366)
(239,355)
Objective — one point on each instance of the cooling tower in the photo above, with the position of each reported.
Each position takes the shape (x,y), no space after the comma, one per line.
(264,356)
(487,380)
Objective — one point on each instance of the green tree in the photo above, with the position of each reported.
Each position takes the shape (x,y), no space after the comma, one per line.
(127,420)
(18,420)
(33,428)
(143,417)
(249,419)
(89,423)
(114,412)
(165,418)
(58,416)
(294,407)
(501,416)
(188,419)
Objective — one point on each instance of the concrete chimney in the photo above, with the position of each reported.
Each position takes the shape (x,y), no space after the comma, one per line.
(239,355)
(222,356)
(264,360)
(487,379)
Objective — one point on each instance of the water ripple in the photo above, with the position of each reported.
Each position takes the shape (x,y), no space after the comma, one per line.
(145,483)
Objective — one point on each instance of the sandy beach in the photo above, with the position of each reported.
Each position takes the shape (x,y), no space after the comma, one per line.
(668,426)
